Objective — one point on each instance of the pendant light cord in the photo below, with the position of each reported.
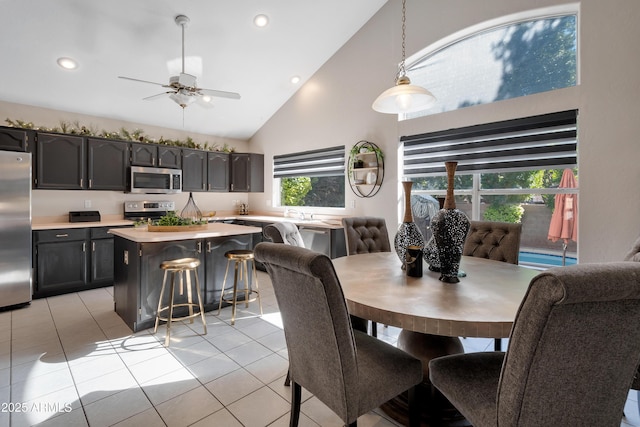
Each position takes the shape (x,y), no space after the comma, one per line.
(401,69)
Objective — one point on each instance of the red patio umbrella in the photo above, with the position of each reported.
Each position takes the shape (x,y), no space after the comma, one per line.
(564,220)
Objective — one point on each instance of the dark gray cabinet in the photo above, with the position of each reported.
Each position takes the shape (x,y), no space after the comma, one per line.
(71,260)
(60,261)
(247,172)
(61,162)
(155,155)
(12,139)
(194,170)
(107,164)
(217,171)
(329,241)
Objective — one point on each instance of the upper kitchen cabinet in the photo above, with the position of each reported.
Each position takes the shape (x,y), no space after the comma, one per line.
(217,171)
(194,170)
(107,162)
(155,155)
(247,172)
(61,162)
(12,139)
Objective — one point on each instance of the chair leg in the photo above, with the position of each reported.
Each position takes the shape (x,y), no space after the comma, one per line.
(296,396)
(374,329)
(287,381)
(497,344)
(414,411)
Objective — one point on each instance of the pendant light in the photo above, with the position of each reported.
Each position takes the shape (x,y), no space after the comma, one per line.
(403,97)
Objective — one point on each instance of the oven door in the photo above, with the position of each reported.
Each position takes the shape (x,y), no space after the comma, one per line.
(155,180)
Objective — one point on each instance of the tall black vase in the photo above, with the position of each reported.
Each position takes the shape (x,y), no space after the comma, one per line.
(449,227)
(408,232)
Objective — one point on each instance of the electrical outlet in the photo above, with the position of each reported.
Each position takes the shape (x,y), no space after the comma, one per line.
(87,203)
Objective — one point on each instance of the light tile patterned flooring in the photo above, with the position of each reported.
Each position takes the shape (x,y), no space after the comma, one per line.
(71,361)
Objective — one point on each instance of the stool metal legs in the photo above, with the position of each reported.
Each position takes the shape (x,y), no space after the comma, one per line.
(189,304)
(240,273)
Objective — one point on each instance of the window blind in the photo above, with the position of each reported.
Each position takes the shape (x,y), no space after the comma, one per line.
(546,141)
(323,162)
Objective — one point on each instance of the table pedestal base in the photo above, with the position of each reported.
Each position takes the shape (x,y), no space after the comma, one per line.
(426,347)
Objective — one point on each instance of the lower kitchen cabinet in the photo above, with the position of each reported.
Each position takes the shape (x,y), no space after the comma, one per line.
(329,241)
(71,260)
(138,277)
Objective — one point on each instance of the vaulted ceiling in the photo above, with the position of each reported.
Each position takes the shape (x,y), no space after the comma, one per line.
(138,39)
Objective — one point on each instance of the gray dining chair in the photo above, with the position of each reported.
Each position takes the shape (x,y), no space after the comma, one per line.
(365,235)
(288,233)
(573,351)
(634,255)
(346,369)
(283,232)
(499,241)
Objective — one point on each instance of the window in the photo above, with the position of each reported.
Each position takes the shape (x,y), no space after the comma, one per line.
(311,178)
(497,63)
(507,171)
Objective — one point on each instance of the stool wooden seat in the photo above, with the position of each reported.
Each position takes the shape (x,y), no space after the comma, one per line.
(173,267)
(240,259)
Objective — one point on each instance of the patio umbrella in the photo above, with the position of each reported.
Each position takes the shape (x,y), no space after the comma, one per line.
(564,220)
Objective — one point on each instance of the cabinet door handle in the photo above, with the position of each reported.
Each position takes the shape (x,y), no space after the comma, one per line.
(84,246)
(90,183)
(93,246)
(208,247)
(209,187)
(199,246)
(62,235)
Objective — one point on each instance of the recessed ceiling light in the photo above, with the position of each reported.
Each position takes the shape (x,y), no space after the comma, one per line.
(261,20)
(67,63)
(295,79)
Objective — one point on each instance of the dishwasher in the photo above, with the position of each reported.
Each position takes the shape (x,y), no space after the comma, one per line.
(316,238)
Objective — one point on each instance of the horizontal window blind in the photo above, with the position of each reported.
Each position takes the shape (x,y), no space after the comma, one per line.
(324,162)
(547,141)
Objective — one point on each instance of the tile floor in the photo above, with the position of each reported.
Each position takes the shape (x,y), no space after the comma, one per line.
(71,361)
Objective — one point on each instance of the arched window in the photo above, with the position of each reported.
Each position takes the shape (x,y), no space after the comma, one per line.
(494,62)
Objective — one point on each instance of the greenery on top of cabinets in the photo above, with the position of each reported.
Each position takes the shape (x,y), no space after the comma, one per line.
(138,135)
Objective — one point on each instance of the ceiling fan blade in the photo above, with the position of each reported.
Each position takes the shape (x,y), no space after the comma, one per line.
(219,93)
(158,96)
(142,81)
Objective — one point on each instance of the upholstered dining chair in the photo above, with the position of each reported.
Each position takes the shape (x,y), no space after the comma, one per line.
(365,235)
(634,255)
(499,241)
(346,369)
(283,232)
(288,234)
(573,350)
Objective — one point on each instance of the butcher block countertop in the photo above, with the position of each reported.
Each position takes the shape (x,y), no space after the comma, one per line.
(217,229)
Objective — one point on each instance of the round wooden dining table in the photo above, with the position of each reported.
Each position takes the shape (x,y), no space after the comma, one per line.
(433,314)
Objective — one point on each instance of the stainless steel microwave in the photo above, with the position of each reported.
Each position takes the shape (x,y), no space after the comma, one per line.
(155,180)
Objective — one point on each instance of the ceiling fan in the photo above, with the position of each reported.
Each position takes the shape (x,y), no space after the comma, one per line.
(183,89)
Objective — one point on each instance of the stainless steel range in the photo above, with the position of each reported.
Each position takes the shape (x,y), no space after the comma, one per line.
(144,210)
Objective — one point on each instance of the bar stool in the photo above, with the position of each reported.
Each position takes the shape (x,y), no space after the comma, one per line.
(173,267)
(240,258)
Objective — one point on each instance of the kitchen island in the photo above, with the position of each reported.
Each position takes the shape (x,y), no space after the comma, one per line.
(139,252)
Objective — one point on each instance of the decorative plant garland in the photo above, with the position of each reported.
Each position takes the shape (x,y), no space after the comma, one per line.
(136,135)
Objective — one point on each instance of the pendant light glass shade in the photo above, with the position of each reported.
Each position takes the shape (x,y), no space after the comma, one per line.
(403,97)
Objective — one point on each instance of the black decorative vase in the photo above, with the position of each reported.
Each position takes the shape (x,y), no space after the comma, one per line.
(449,227)
(408,232)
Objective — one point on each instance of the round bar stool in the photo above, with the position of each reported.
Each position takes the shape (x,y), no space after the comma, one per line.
(173,267)
(240,259)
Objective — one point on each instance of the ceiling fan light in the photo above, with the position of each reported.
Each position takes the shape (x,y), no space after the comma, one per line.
(403,98)
(182,99)
(206,98)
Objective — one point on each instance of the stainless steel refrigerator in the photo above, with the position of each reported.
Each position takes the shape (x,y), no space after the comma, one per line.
(15,228)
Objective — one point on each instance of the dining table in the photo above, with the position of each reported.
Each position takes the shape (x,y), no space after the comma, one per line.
(432,314)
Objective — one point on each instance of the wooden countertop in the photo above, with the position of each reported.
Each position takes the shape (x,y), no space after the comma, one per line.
(142,235)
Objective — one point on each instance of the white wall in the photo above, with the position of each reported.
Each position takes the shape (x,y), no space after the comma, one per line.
(48,203)
(334,108)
